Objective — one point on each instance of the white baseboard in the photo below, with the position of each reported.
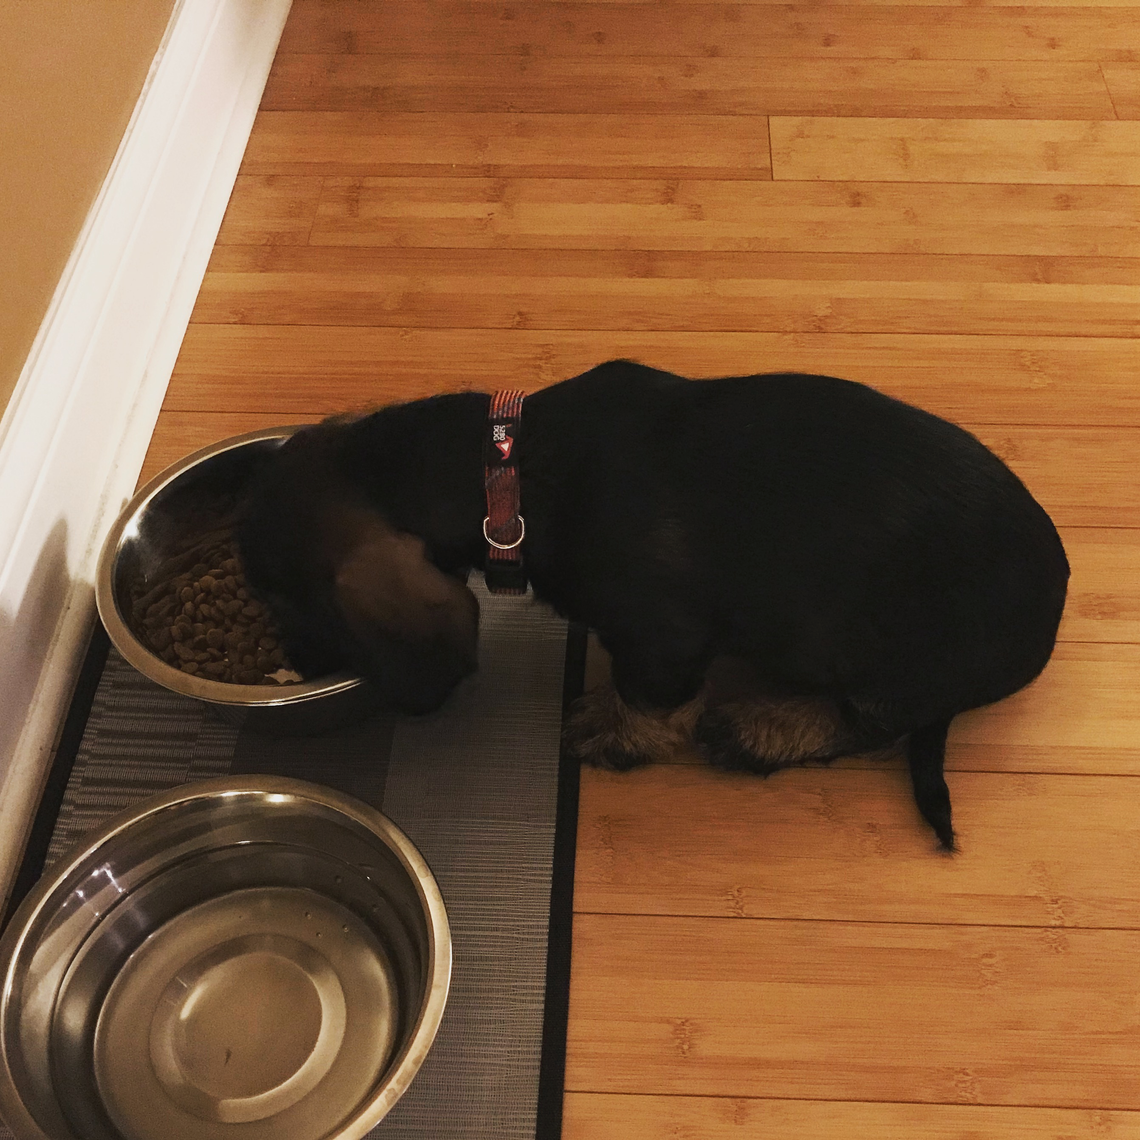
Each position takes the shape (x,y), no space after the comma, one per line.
(76,431)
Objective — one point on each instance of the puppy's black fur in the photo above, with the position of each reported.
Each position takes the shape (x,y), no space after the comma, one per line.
(841,550)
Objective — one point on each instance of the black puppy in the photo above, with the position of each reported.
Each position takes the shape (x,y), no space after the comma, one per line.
(785,567)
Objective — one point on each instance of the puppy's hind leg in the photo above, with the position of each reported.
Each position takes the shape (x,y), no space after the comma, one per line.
(926,751)
(764,735)
(753,724)
(604,731)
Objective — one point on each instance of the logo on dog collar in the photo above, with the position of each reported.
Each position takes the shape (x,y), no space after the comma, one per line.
(501,440)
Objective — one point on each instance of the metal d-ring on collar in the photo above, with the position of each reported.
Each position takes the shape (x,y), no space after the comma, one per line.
(503,564)
(509,545)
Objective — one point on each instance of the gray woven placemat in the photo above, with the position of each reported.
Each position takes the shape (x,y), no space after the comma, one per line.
(474,786)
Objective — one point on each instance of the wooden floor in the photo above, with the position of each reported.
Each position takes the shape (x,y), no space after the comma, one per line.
(939,200)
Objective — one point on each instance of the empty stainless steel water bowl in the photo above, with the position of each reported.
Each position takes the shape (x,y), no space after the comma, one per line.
(173,509)
(238,959)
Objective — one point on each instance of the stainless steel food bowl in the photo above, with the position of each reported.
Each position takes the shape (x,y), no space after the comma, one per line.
(238,959)
(162,520)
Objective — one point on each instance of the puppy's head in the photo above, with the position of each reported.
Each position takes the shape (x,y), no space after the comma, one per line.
(349,590)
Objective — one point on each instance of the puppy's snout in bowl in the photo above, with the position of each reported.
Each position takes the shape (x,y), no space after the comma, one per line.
(417,627)
(348,587)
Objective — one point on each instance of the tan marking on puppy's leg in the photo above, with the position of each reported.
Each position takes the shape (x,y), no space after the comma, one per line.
(763,734)
(750,724)
(787,729)
(604,731)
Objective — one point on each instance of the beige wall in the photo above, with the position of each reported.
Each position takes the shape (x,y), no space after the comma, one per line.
(71,73)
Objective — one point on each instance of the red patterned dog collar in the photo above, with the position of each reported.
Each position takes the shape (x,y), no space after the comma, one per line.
(503,528)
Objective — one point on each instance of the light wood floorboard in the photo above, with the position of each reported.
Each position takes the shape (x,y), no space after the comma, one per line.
(465,144)
(652,85)
(578,31)
(853,1011)
(671,291)
(846,845)
(1123,81)
(837,216)
(1031,380)
(1055,153)
(671,214)
(600,1116)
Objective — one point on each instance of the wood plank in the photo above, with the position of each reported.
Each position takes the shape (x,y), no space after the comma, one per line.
(462,144)
(271,210)
(1085,700)
(714,265)
(610,1116)
(848,845)
(944,150)
(669,84)
(605,289)
(1104,590)
(1123,80)
(754,217)
(582,30)
(986,379)
(1083,476)
(854,3)
(847,1011)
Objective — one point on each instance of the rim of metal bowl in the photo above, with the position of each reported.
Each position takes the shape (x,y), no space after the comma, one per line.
(423,1033)
(148,663)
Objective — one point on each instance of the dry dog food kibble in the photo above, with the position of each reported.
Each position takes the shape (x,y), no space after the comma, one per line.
(200,618)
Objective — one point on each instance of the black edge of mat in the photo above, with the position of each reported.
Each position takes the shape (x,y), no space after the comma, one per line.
(556,1004)
(67,749)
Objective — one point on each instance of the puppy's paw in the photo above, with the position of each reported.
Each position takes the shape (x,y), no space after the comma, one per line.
(596,732)
(717,736)
(764,735)
(604,731)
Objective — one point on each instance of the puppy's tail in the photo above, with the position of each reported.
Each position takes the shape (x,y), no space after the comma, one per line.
(926,752)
